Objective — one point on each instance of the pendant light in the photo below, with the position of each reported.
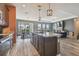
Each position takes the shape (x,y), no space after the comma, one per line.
(39,9)
(49,11)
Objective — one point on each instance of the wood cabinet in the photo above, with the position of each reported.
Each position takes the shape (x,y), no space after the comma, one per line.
(41,45)
(51,46)
(10,17)
(46,46)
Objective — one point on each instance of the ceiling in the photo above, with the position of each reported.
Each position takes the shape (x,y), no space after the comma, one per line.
(61,11)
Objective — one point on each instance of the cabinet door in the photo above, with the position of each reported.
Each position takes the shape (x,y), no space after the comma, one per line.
(50,46)
(41,45)
(37,41)
(32,38)
(6,14)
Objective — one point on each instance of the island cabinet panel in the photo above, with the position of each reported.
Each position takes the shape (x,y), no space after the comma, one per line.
(46,46)
(37,43)
(50,46)
(41,45)
(32,38)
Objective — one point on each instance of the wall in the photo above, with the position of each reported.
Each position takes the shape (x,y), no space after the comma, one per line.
(69,25)
(76,27)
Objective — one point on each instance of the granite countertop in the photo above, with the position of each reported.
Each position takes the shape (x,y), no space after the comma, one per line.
(3,34)
(49,34)
(5,38)
(6,34)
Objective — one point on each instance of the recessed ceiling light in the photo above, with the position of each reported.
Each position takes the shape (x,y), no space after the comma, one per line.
(23,5)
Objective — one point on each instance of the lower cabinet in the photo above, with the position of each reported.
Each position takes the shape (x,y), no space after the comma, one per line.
(46,46)
(41,45)
(50,46)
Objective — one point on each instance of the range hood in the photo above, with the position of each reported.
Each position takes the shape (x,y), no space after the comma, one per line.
(3,23)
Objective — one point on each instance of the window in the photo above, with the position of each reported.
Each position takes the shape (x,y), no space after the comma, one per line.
(43,27)
(39,27)
(47,26)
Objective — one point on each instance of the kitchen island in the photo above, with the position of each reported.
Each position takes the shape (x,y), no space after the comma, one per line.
(45,43)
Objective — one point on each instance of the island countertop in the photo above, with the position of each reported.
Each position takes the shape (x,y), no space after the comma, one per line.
(5,38)
(48,34)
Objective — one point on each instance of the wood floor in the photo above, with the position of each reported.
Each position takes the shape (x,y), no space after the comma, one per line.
(69,47)
(23,48)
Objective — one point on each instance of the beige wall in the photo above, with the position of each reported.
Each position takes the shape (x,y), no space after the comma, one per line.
(77,26)
(76,23)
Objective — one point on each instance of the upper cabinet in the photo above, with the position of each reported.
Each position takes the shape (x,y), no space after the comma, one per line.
(10,18)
